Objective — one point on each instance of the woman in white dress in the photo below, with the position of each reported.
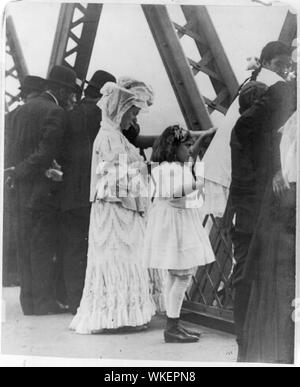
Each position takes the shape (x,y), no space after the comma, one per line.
(156,277)
(117,293)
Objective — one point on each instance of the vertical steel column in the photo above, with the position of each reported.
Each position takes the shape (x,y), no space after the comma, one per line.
(83,44)
(18,70)
(289,29)
(177,66)
(213,54)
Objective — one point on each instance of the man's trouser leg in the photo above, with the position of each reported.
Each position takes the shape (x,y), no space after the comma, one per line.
(10,275)
(59,280)
(24,230)
(44,238)
(75,236)
(242,286)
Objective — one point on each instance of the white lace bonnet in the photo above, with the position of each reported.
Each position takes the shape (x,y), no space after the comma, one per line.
(116,101)
(141,89)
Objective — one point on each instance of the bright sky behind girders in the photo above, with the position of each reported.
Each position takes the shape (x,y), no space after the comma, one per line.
(124,46)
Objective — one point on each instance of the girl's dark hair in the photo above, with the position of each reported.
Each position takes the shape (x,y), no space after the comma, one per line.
(250,93)
(166,145)
(269,52)
(256,73)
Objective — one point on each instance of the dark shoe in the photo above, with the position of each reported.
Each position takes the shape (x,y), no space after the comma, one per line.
(73,309)
(191,332)
(177,335)
(241,356)
(124,330)
(137,329)
(140,328)
(28,312)
(27,306)
(51,309)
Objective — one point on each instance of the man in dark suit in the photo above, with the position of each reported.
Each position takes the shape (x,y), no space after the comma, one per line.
(253,156)
(31,87)
(39,128)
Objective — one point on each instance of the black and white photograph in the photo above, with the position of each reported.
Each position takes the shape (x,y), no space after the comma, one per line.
(149,157)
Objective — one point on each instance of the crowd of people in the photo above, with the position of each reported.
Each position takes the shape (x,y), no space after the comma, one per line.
(92,243)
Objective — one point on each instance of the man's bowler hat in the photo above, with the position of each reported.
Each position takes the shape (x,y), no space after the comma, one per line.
(32,83)
(99,79)
(63,76)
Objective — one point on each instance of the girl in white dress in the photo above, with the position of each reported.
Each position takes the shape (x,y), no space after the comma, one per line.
(175,238)
(116,293)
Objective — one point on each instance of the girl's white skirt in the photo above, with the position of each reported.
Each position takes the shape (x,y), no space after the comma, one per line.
(175,238)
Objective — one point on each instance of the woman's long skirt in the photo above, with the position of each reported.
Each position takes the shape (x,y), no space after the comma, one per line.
(117,289)
(270,329)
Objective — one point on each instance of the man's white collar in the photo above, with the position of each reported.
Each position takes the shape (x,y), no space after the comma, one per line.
(53,97)
(269,78)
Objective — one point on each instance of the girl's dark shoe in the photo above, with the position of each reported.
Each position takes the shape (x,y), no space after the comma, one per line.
(191,332)
(177,335)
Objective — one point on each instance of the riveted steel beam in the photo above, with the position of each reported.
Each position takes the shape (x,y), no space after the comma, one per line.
(215,62)
(16,68)
(191,102)
(75,36)
(289,29)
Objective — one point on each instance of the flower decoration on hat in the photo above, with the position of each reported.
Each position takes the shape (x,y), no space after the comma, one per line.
(253,63)
(180,134)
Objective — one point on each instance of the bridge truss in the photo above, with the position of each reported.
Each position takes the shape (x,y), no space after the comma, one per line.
(210,297)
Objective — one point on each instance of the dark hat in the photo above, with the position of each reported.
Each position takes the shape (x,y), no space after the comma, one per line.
(63,76)
(251,92)
(31,82)
(99,79)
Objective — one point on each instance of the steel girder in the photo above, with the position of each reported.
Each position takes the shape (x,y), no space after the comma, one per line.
(289,29)
(191,102)
(75,37)
(17,69)
(214,61)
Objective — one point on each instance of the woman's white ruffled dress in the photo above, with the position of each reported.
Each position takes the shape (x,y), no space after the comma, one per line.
(118,289)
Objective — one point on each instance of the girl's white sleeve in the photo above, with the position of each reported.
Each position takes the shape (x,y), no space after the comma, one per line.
(172,180)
